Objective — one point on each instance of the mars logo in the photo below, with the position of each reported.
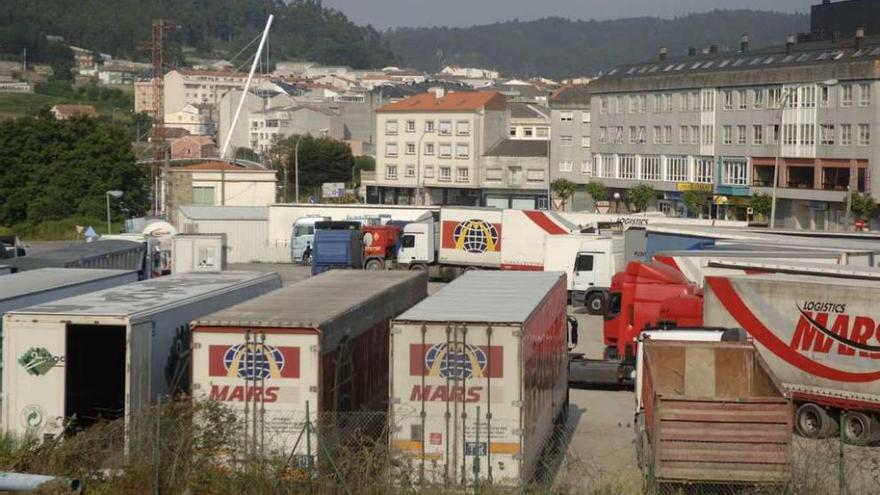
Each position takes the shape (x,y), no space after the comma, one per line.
(473,236)
(254,361)
(453,365)
(455,361)
(818,331)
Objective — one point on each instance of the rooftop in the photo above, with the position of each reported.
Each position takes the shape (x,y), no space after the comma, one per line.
(520,110)
(451,102)
(221,165)
(519,147)
(195,212)
(70,110)
(44,279)
(577,94)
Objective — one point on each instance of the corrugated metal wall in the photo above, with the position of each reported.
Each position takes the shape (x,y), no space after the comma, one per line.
(246,240)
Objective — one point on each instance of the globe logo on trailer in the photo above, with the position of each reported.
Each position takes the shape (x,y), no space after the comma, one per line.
(253,361)
(475,236)
(456,361)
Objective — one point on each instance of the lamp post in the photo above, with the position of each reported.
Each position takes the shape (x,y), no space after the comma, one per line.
(116,194)
(617,202)
(783,102)
(419,169)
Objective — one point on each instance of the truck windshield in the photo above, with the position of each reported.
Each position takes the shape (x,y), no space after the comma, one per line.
(300,230)
(408,241)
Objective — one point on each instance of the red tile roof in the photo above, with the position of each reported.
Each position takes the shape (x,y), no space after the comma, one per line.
(217,165)
(465,101)
(70,110)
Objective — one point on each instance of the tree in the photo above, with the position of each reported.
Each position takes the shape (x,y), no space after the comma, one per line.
(598,191)
(641,196)
(563,189)
(863,206)
(761,204)
(320,160)
(51,170)
(247,154)
(363,163)
(695,202)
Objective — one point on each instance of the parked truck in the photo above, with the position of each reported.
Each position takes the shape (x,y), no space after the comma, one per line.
(104,254)
(709,411)
(303,236)
(338,245)
(320,345)
(106,354)
(479,377)
(199,253)
(589,262)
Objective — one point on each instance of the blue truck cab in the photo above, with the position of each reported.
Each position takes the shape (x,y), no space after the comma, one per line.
(338,245)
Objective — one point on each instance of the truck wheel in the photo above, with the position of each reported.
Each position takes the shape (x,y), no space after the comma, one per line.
(813,421)
(471,268)
(374,264)
(858,428)
(596,303)
(418,267)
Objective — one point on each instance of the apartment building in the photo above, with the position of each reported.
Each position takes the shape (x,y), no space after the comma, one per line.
(529,121)
(428,147)
(514,174)
(571,141)
(190,86)
(274,124)
(715,122)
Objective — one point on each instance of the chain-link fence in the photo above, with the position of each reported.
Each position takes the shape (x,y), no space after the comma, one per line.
(205,447)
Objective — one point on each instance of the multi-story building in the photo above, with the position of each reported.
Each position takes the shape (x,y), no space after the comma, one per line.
(190,86)
(529,121)
(716,122)
(143,97)
(195,119)
(428,146)
(514,174)
(571,141)
(270,126)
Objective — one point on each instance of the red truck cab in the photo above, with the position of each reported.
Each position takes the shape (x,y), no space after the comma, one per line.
(647,294)
(381,243)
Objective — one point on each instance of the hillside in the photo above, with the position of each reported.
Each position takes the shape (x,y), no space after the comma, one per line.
(209,28)
(557,47)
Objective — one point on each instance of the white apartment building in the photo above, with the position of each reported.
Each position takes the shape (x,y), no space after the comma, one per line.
(189,86)
(194,119)
(274,124)
(428,147)
(529,121)
(571,141)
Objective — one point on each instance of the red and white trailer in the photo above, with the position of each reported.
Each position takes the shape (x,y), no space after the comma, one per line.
(321,342)
(819,335)
(479,375)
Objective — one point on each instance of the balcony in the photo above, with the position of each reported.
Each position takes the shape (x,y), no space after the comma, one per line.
(801,177)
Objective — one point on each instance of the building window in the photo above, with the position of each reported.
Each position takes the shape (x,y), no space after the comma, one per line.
(203,195)
(566,116)
(658,134)
(743,98)
(735,172)
(757,134)
(633,135)
(445,150)
(565,140)
(633,103)
(462,174)
(643,103)
(808,134)
(618,138)
(727,135)
(704,170)
(667,134)
(627,167)
(651,169)
(603,134)
(741,134)
(773,132)
(683,102)
(846,134)
(864,95)
(846,95)
(512,131)
(445,174)
(809,97)
(826,134)
(585,117)
(620,108)
(429,126)
(390,127)
(824,96)
(727,97)
(410,171)
(695,134)
(585,141)
(864,134)
(429,149)
(542,132)
(462,150)
(658,105)
(677,168)
(391,150)
(535,175)
(410,126)
(774,99)
(585,167)
(429,172)
(708,134)
(595,170)
(391,172)
(410,148)
(683,137)
(789,134)
(642,137)
(463,128)
(565,166)
(708,100)
(694,100)
(668,103)
(445,128)
(758,95)
(603,104)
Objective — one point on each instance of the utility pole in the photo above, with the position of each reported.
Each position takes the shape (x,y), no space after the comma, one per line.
(158,108)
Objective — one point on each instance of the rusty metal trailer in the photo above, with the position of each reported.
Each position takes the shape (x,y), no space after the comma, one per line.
(711,413)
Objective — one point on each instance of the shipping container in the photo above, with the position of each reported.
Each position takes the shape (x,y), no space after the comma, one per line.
(818,335)
(199,253)
(109,353)
(479,375)
(109,254)
(246,229)
(711,412)
(321,342)
(470,237)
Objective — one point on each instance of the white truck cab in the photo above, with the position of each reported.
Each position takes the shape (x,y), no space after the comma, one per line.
(303,235)
(418,246)
(588,260)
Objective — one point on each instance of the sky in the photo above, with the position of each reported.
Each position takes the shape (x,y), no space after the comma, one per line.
(395,13)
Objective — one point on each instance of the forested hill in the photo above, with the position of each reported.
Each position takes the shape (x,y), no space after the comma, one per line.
(556,47)
(302,29)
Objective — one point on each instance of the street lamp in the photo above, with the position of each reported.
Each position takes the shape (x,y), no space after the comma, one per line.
(116,194)
(617,202)
(783,102)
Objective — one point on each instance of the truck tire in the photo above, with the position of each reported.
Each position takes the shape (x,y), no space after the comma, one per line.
(596,303)
(418,267)
(814,421)
(374,264)
(858,428)
(471,268)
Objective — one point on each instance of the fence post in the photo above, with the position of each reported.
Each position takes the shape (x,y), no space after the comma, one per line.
(841,464)
(156,447)
(309,440)
(477,454)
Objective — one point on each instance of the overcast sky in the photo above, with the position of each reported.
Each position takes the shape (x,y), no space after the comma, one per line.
(392,13)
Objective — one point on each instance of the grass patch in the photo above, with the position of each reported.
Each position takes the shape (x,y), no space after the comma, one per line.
(59,230)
